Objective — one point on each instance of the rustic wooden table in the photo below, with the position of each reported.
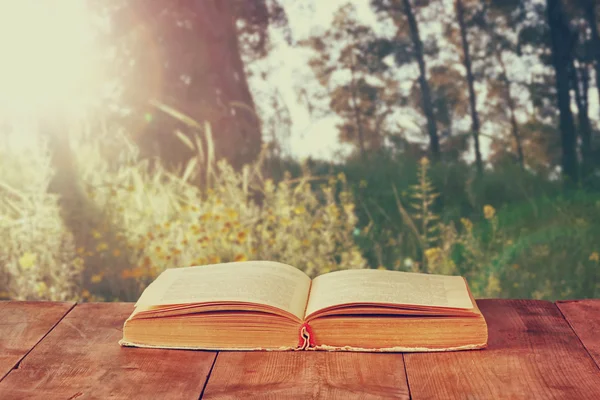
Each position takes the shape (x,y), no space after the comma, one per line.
(537,350)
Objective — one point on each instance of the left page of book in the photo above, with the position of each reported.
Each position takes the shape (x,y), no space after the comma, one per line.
(260,282)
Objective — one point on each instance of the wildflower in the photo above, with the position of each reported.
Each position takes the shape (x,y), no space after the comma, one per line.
(362,184)
(467,224)
(241,236)
(299,210)
(116,253)
(85,294)
(231,213)
(80,250)
(488,211)
(595,256)
(27,260)
(96,234)
(424,161)
(102,246)
(137,272)
(41,288)
(240,257)
(97,278)
(381,267)
(214,259)
(433,254)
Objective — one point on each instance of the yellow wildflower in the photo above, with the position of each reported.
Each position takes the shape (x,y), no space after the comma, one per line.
(85,294)
(41,288)
(97,277)
(27,260)
(241,236)
(96,234)
(595,256)
(424,161)
(433,254)
(240,257)
(214,259)
(467,224)
(102,246)
(488,211)
(299,210)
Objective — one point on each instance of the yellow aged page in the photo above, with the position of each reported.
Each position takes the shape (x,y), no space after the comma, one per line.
(262,282)
(378,286)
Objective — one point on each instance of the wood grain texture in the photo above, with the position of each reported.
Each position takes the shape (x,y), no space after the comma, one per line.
(22,325)
(306,375)
(584,318)
(81,359)
(532,354)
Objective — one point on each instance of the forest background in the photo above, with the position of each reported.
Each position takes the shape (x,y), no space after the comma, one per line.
(437,136)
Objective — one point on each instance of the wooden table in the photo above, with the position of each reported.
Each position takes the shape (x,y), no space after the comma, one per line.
(537,350)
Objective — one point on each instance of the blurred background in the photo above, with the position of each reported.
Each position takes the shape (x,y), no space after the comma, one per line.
(437,136)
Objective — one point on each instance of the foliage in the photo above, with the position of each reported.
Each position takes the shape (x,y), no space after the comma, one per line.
(37,256)
(153,219)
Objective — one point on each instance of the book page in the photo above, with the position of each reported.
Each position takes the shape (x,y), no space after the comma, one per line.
(262,282)
(378,286)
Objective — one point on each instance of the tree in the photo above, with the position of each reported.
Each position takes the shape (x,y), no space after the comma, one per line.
(590,12)
(475,124)
(189,55)
(497,19)
(402,13)
(562,41)
(354,79)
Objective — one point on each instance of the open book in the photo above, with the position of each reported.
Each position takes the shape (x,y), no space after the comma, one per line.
(263,305)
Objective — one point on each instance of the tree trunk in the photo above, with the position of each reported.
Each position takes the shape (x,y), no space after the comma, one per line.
(511,108)
(356,110)
(562,42)
(590,14)
(580,82)
(434,141)
(219,91)
(186,54)
(475,124)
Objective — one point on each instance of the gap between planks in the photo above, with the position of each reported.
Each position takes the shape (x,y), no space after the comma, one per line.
(576,334)
(208,376)
(18,363)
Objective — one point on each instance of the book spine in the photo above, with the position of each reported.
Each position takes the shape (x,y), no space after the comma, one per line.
(305,337)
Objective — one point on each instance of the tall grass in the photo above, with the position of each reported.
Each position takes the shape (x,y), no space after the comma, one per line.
(131,218)
(125,218)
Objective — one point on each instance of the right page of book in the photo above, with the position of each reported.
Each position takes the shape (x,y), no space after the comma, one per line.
(387,287)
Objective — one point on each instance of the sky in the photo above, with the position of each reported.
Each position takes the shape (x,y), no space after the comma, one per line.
(289,72)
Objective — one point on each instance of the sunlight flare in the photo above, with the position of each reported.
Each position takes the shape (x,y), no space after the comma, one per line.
(46,56)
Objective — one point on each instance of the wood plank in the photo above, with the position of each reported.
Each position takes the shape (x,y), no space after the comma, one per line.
(22,325)
(532,354)
(81,358)
(584,318)
(283,375)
